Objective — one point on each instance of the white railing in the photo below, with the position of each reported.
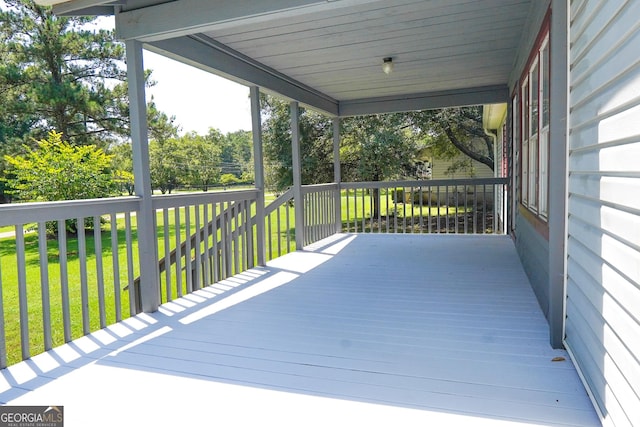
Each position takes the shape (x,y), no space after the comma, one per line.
(436,206)
(320,214)
(56,286)
(279,225)
(203,238)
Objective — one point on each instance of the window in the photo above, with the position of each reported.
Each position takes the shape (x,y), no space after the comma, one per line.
(534,143)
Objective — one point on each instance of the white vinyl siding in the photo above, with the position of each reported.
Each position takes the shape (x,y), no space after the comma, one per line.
(603,247)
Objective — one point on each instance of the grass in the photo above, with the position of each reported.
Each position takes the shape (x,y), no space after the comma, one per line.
(9,274)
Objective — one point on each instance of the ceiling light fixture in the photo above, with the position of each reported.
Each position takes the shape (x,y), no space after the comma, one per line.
(387,65)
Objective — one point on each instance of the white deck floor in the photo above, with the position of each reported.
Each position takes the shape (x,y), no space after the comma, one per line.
(358,330)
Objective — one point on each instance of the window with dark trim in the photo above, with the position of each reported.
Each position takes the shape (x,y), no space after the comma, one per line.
(533,117)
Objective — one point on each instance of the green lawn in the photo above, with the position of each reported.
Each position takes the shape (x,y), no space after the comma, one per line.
(9,279)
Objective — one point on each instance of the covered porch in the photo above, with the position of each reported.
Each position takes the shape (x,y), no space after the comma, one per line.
(376,329)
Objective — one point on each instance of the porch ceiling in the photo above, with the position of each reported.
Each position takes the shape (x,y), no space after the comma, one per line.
(328,54)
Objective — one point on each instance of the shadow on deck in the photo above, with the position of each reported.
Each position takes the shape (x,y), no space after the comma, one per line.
(355,330)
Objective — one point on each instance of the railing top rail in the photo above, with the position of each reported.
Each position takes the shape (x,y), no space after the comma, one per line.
(310,188)
(178,200)
(24,213)
(279,201)
(425,183)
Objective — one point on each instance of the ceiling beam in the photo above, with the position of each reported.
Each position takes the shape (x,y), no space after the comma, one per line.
(425,101)
(209,55)
(80,7)
(184,17)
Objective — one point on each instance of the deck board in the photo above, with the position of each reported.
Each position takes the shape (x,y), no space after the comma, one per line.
(356,329)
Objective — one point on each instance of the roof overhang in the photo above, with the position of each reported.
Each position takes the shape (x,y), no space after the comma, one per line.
(494,115)
(328,54)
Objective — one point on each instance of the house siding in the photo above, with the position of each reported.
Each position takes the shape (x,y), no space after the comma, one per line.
(533,250)
(602,329)
(440,168)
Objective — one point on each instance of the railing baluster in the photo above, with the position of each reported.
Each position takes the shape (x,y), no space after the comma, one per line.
(348,208)
(205,239)
(429,207)
(44,285)
(395,209)
(249,234)
(115,262)
(178,258)
(236,239)
(217,213)
(466,209)
(133,296)
(456,210)
(475,209)
(188,257)
(3,342)
(409,229)
(97,245)
(307,220)
(270,236)
(355,210)
(288,227)
(312,217)
(484,208)
(22,292)
(318,216)
(167,254)
(84,287)
(386,210)
(438,216)
(446,191)
(280,231)
(224,270)
(364,213)
(404,209)
(197,280)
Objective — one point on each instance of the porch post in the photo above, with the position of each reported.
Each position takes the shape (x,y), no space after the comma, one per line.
(149,280)
(337,175)
(297,174)
(558,158)
(258,170)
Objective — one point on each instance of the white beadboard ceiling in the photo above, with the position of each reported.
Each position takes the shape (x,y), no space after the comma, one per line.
(329,53)
(435,45)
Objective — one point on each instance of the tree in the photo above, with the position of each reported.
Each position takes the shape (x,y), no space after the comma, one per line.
(455,130)
(236,154)
(57,170)
(315,145)
(122,156)
(60,74)
(167,163)
(203,158)
(377,148)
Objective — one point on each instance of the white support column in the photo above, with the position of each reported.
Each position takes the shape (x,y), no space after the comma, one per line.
(297,174)
(258,170)
(337,174)
(149,280)
(558,158)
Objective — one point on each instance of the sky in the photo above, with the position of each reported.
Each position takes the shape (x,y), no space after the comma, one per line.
(198,100)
